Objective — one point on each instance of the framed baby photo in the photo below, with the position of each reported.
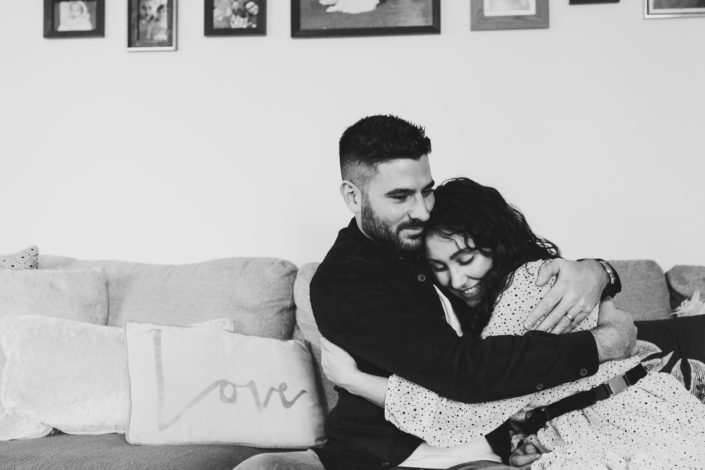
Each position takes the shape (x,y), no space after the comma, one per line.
(74,18)
(673,8)
(492,15)
(329,18)
(151,25)
(235,18)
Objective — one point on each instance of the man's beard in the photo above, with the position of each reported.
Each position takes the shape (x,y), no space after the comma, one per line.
(383,234)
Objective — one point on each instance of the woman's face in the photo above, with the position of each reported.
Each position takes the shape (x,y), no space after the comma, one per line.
(458,265)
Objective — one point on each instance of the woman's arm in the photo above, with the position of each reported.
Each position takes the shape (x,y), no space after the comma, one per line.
(341,369)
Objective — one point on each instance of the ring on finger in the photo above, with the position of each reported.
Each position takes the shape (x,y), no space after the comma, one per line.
(570,317)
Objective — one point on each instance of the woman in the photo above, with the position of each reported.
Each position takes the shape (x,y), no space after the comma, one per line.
(482,251)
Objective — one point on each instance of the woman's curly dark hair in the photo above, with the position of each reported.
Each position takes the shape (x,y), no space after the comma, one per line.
(480,213)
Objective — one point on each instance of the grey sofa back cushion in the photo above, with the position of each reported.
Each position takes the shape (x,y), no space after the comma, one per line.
(644,290)
(306,326)
(256,292)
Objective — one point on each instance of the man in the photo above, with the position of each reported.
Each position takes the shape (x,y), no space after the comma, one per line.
(373,296)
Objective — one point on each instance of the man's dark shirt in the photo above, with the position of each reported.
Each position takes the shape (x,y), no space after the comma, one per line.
(383,309)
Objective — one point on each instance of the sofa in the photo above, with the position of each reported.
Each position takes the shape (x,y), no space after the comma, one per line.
(265,297)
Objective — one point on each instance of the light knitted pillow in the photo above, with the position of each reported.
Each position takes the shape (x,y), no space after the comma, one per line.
(76,294)
(65,374)
(13,425)
(24,259)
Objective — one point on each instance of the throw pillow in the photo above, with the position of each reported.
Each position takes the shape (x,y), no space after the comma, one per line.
(12,424)
(66,374)
(202,384)
(76,294)
(24,259)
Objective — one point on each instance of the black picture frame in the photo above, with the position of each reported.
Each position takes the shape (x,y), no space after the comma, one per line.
(164,38)
(89,23)
(210,28)
(362,24)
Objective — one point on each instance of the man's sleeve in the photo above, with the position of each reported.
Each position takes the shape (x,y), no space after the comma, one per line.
(388,334)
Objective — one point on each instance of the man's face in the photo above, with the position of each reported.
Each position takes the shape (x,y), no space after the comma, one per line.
(146,9)
(396,203)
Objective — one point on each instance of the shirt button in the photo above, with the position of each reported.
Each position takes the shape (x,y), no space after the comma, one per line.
(421,277)
(539,387)
(583,372)
(385,465)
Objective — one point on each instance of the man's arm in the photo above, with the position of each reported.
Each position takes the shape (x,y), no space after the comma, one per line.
(388,334)
(579,287)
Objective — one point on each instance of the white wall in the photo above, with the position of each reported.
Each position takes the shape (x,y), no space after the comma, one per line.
(228,146)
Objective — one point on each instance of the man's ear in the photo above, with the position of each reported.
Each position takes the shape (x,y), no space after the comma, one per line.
(352,196)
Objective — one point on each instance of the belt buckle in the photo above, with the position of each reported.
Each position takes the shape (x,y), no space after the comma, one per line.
(617,385)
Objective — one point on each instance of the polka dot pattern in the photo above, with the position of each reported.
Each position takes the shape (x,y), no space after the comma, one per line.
(653,424)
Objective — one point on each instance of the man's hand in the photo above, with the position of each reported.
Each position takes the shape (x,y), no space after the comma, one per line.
(524,456)
(577,290)
(615,334)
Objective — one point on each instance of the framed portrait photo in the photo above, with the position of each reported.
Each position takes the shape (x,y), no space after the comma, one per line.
(492,15)
(330,18)
(74,18)
(586,2)
(673,8)
(235,17)
(151,25)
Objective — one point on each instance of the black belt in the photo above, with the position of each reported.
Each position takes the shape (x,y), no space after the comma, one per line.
(537,418)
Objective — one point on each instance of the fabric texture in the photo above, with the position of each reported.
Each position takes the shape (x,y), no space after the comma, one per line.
(205,385)
(254,292)
(112,452)
(66,374)
(79,295)
(644,290)
(22,260)
(652,424)
(301,460)
(684,281)
(12,425)
(307,330)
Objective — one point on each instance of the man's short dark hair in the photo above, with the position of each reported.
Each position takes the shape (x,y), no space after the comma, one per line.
(377,139)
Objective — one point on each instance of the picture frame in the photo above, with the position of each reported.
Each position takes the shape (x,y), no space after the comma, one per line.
(235,18)
(74,18)
(492,15)
(339,18)
(152,25)
(673,8)
(587,2)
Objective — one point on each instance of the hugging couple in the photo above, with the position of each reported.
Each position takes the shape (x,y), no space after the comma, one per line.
(460,339)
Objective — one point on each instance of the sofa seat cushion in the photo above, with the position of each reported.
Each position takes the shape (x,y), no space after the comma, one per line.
(257,293)
(112,452)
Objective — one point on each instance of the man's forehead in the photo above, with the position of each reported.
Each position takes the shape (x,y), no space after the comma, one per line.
(403,172)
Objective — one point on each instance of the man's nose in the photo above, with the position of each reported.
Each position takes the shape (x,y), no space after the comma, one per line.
(419,210)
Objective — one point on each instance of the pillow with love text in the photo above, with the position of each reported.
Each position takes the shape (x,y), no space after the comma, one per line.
(202,384)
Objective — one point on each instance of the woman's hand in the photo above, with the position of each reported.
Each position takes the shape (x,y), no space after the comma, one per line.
(338,365)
